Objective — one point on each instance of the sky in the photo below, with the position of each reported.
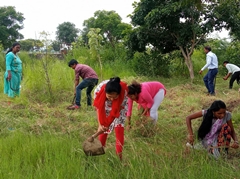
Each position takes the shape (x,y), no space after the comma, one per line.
(46,15)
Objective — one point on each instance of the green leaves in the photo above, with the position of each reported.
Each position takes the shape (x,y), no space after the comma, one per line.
(67,33)
(112,29)
(30,44)
(11,22)
(170,25)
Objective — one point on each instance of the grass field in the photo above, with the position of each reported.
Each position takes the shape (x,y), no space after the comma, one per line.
(43,140)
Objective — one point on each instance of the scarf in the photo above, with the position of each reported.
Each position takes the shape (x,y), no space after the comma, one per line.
(212,135)
(99,103)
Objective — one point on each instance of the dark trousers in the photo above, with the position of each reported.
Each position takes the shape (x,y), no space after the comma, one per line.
(235,76)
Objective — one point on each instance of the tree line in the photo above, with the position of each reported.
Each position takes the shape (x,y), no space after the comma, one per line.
(159,31)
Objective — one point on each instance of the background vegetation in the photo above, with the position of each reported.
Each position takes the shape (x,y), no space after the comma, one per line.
(41,139)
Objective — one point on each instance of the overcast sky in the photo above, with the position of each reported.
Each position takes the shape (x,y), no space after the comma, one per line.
(46,15)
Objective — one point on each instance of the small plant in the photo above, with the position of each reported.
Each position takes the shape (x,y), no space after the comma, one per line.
(45,61)
(95,39)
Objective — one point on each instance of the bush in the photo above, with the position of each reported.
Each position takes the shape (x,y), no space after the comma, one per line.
(2,59)
(116,53)
(81,54)
(153,64)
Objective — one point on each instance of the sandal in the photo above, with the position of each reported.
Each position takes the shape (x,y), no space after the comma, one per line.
(73,107)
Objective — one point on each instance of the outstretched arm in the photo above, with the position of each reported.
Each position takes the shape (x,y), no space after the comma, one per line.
(189,124)
(76,82)
(233,134)
(227,76)
(146,110)
(101,128)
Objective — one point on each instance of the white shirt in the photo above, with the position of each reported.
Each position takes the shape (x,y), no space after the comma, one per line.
(212,61)
(232,68)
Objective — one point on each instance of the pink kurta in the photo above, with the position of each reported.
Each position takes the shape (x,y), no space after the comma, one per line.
(145,98)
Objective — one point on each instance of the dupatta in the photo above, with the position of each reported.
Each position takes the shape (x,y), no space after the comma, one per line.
(99,103)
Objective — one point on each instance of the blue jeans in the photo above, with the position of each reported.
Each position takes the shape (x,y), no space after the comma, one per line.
(209,80)
(88,83)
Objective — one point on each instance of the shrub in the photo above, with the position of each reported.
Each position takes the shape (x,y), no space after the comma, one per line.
(152,64)
(2,58)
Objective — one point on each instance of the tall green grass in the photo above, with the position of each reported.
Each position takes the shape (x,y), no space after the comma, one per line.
(40,139)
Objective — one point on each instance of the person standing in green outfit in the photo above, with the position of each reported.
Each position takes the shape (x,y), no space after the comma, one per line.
(13,74)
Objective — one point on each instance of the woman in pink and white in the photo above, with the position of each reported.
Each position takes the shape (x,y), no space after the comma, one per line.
(148,95)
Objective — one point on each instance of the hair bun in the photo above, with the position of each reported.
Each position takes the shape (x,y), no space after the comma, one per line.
(115,79)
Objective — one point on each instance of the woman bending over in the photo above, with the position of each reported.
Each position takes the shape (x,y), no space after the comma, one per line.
(110,100)
(148,95)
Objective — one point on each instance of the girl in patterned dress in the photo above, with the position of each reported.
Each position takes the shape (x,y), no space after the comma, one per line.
(110,100)
(216,129)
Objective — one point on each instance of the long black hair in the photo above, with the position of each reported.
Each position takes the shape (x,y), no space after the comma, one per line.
(13,45)
(113,85)
(134,88)
(206,125)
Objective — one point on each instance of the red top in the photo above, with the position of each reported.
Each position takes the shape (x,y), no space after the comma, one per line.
(99,103)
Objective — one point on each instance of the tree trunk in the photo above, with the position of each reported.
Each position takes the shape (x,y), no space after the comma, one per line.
(189,64)
(188,61)
(110,38)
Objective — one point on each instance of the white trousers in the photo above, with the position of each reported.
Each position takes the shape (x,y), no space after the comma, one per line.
(157,100)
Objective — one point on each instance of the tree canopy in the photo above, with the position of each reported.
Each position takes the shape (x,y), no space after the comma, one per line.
(110,24)
(56,45)
(228,13)
(30,44)
(171,25)
(11,22)
(67,33)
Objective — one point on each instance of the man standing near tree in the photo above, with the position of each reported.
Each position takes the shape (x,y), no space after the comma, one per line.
(212,65)
(89,80)
(233,70)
